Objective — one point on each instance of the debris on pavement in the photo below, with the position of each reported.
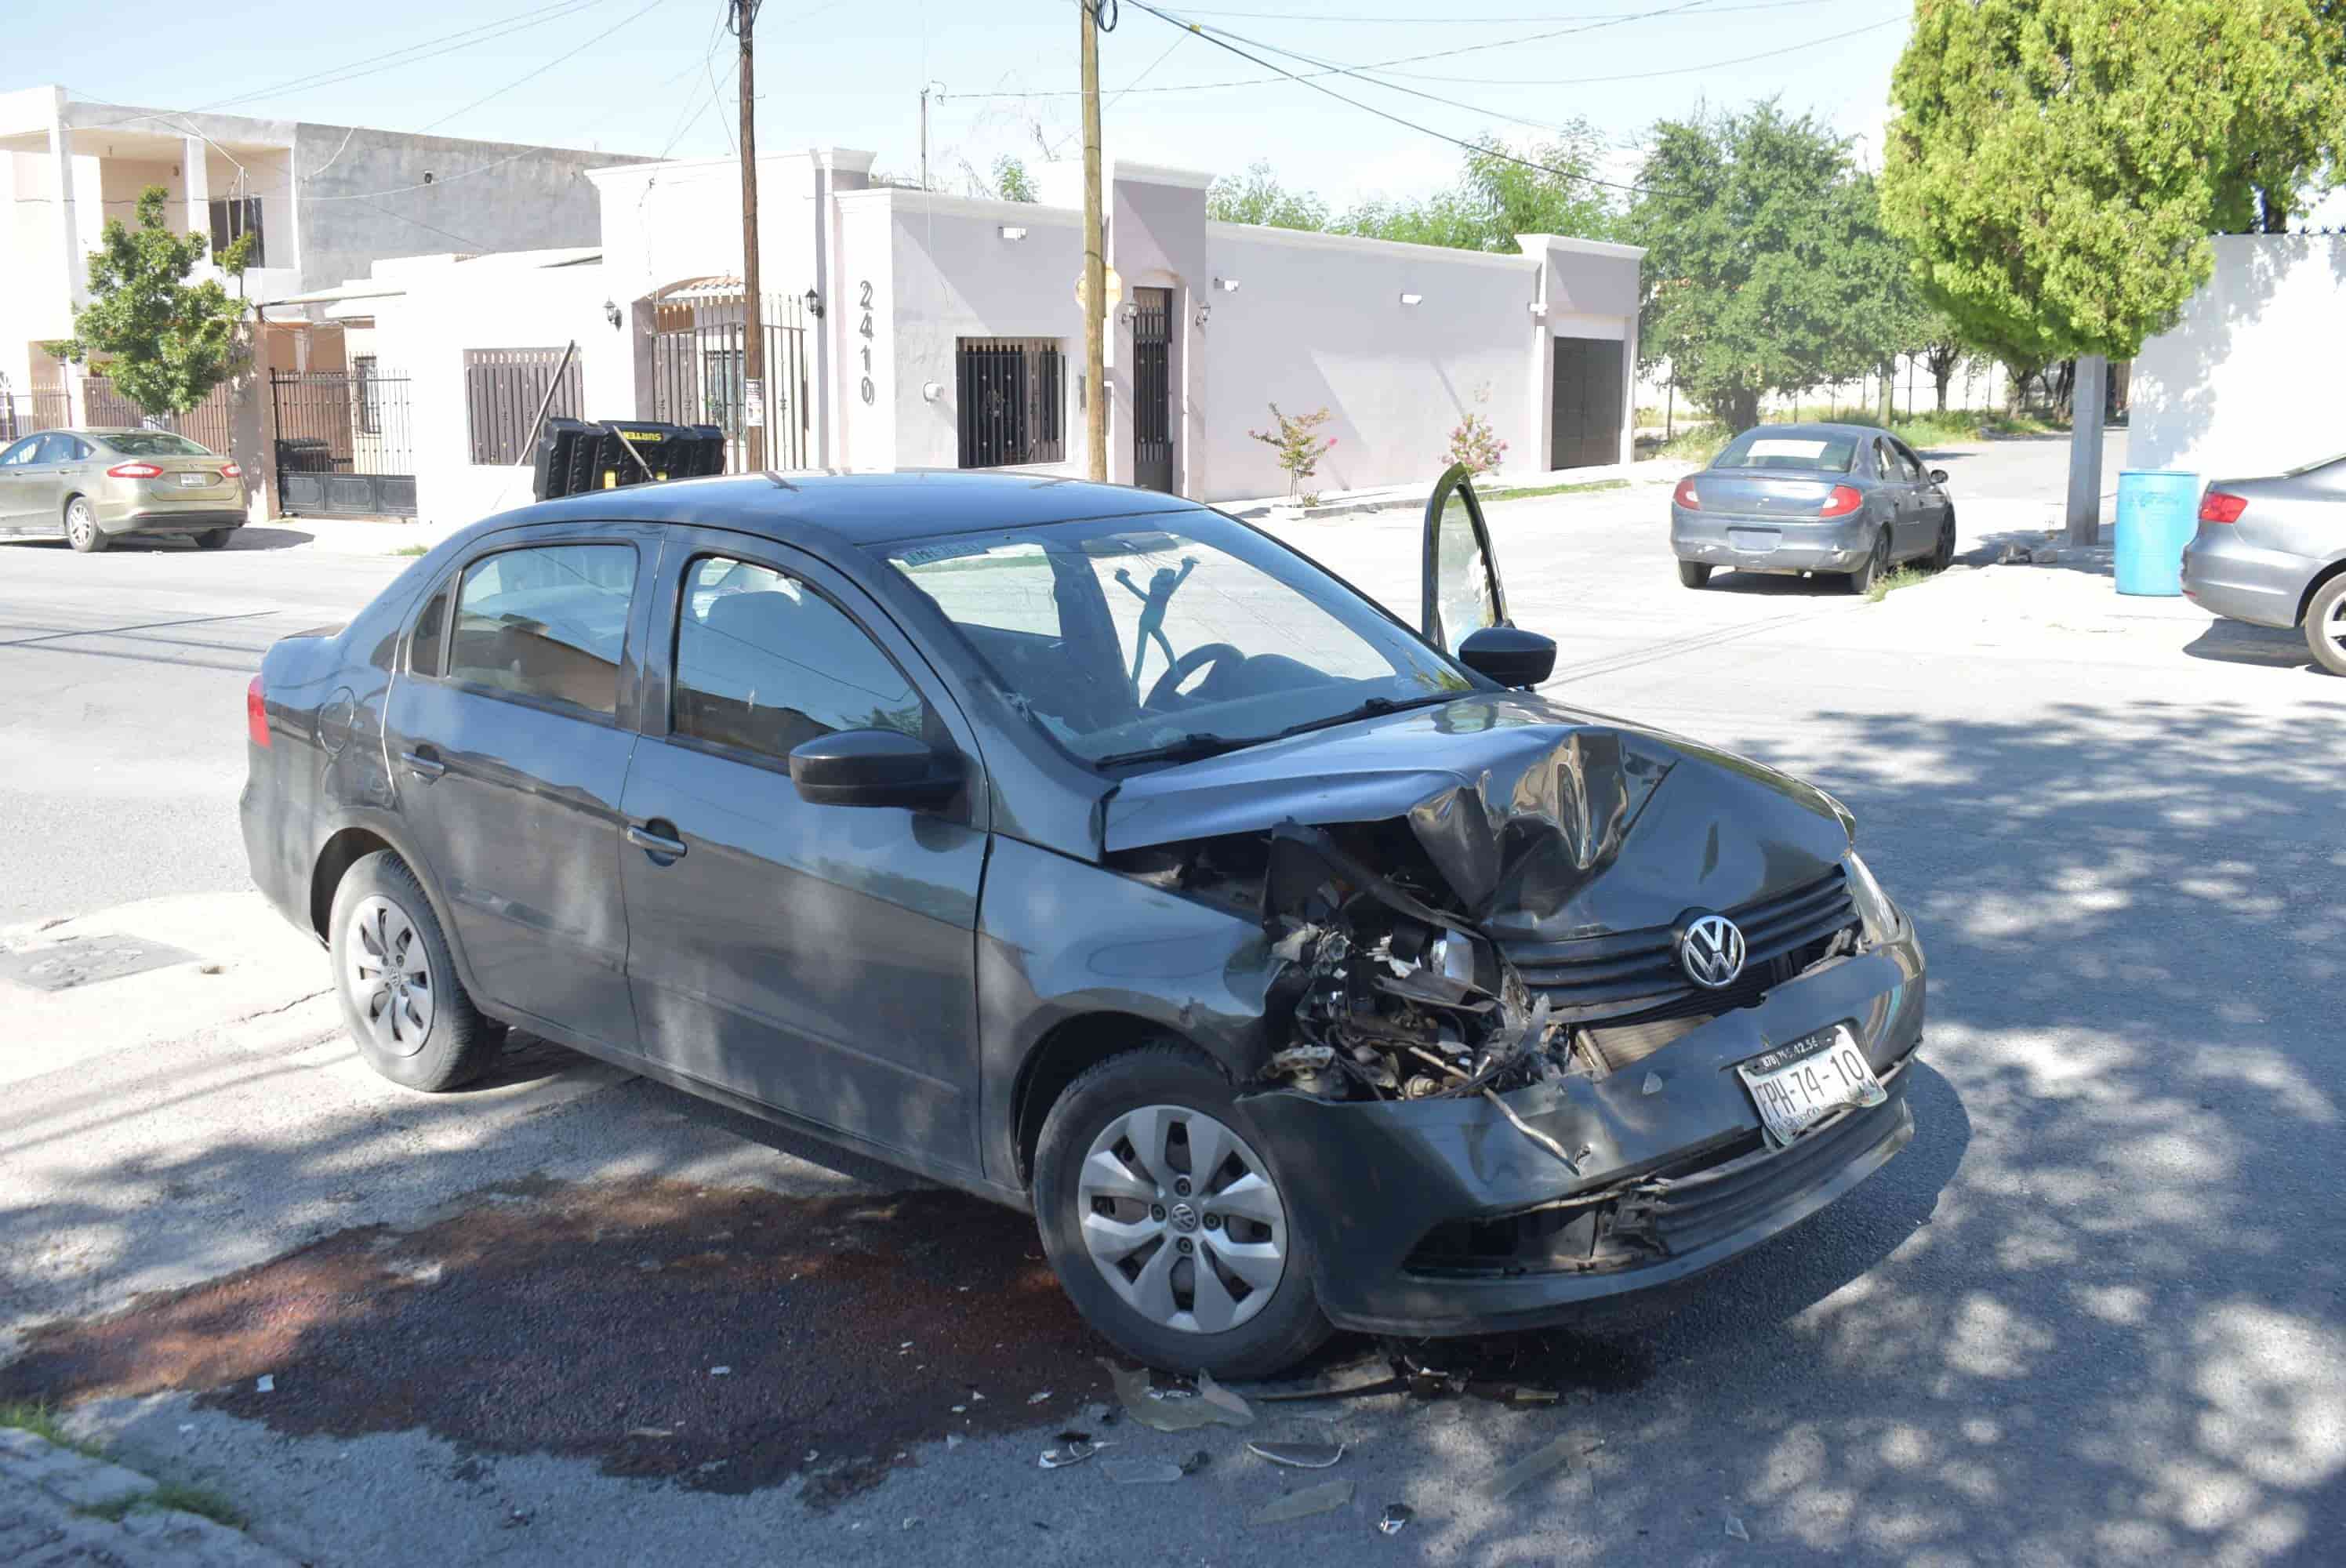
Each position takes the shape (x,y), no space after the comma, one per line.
(652,1431)
(1176,1410)
(1325,1498)
(1213,1394)
(1735,1531)
(1299,1455)
(1074,1447)
(1038,1399)
(1372,1374)
(1543,1460)
(1394,1517)
(264,1384)
(1196,1463)
(1143,1471)
(720,1371)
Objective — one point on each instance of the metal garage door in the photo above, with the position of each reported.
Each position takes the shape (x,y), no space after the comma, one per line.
(1585,429)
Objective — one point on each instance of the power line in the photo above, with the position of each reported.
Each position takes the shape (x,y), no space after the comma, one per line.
(1671,71)
(532,75)
(1488,21)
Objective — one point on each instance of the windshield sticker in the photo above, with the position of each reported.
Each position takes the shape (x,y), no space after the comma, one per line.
(946,550)
(1778,446)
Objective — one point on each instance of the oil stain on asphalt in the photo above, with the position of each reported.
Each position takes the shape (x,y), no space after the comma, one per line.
(729,1339)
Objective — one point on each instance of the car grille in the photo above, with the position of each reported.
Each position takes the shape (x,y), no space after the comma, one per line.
(1633,976)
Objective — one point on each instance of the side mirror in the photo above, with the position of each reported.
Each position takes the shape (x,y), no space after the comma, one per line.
(873,768)
(1938,476)
(1509,655)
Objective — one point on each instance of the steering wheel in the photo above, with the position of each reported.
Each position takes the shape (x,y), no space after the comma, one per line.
(1169,684)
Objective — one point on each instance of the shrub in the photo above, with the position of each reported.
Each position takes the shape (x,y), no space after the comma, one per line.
(1476,444)
(1298,443)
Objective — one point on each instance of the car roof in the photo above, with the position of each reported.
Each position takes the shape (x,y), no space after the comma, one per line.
(1821,427)
(861,508)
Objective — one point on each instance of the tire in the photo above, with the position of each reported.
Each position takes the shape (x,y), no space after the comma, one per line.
(212,539)
(2325,626)
(1942,554)
(1145,1095)
(1876,568)
(1693,573)
(425,1036)
(82,531)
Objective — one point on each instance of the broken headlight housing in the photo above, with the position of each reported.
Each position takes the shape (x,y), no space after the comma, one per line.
(1874,909)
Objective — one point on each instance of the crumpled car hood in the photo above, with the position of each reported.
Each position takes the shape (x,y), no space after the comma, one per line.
(1548,824)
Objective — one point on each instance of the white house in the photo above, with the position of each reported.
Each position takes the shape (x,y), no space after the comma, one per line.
(321,202)
(908,329)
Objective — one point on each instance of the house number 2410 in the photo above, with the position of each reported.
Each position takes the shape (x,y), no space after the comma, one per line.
(864,301)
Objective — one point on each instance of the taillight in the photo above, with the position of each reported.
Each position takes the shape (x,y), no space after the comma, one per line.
(230,471)
(1687,496)
(2218,507)
(256,714)
(1844,500)
(134,471)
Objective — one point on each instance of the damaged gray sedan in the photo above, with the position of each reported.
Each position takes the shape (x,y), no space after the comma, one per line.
(1090,850)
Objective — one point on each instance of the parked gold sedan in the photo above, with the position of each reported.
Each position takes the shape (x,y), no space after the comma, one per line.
(96,485)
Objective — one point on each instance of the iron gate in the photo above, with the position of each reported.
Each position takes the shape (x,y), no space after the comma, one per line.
(343,444)
(22,414)
(697,339)
(1152,389)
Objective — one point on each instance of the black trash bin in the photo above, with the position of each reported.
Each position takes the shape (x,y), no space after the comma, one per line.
(575,455)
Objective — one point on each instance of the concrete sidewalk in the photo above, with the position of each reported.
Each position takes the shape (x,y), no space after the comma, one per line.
(63,1509)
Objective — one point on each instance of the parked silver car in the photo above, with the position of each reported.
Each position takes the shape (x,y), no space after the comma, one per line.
(2272,552)
(1846,499)
(94,485)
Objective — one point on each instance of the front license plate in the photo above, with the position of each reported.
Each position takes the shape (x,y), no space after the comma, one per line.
(1797,1086)
(194,481)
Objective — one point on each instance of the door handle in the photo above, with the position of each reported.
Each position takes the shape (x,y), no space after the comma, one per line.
(648,837)
(423,763)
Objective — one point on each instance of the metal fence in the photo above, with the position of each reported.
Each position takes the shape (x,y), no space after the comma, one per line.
(503,390)
(211,424)
(698,341)
(343,443)
(22,414)
(1011,406)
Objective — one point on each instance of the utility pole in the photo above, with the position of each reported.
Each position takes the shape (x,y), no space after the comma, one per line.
(1095,258)
(924,137)
(753,312)
(2086,411)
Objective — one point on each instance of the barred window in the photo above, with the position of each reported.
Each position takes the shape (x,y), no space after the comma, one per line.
(1013,407)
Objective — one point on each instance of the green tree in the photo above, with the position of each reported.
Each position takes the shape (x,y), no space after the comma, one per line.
(1498,197)
(2057,165)
(1765,270)
(1011,180)
(1258,197)
(167,341)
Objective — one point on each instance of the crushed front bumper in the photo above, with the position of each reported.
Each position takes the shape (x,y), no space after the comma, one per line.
(1673,1181)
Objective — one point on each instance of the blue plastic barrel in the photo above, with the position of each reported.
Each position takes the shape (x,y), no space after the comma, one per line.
(2159,512)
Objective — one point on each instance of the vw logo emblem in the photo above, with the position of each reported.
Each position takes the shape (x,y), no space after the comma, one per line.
(1184,1218)
(1711,951)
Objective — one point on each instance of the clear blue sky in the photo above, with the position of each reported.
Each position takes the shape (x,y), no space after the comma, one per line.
(649,78)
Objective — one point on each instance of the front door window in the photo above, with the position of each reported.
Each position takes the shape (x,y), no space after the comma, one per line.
(1462,593)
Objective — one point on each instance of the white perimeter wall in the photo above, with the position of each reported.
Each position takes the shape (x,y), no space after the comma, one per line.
(1317,322)
(2239,387)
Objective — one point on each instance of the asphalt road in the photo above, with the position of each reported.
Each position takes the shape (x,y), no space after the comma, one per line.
(2095,1314)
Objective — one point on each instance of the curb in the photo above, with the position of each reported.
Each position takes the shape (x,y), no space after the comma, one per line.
(64,1507)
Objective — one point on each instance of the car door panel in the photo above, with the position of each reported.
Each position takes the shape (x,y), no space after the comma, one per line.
(1460,592)
(817,959)
(15,460)
(516,804)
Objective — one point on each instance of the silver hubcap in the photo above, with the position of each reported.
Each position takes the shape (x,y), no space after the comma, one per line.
(1182,1220)
(77,522)
(388,977)
(2333,628)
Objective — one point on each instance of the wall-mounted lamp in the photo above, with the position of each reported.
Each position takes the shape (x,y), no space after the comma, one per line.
(932,391)
(1011,232)
(1226,285)
(1129,313)
(1410,298)
(813,304)
(1204,311)
(1539,308)
(611,314)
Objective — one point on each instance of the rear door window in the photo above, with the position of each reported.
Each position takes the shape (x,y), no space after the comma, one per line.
(545,624)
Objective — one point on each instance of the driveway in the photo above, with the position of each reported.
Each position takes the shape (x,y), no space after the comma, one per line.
(2093,1314)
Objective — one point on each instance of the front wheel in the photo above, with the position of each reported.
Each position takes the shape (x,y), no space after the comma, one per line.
(211,539)
(1166,1223)
(401,1001)
(2325,626)
(1693,573)
(82,531)
(1942,553)
(1876,568)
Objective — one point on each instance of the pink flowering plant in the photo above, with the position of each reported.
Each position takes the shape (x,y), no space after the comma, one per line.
(1474,444)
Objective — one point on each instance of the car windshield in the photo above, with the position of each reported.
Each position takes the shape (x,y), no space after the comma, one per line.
(155,444)
(1181,636)
(1816,451)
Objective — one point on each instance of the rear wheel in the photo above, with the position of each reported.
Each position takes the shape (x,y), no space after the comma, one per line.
(1693,573)
(401,1001)
(1165,1223)
(82,531)
(2325,626)
(1876,568)
(212,539)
